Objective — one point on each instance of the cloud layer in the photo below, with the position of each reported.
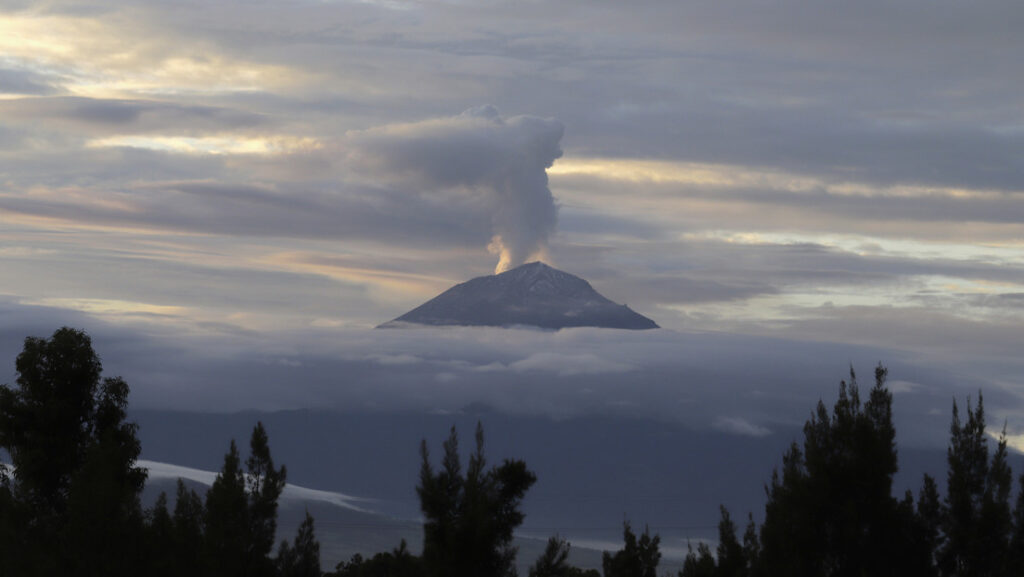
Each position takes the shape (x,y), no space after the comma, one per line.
(813,174)
(742,385)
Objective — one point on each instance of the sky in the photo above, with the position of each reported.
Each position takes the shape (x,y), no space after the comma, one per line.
(230,195)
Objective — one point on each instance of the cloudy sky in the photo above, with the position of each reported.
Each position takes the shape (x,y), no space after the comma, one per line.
(232,194)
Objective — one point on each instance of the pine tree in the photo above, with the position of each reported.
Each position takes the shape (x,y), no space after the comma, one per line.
(160,539)
(469,518)
(264,484)
(732,560)
(1015,555)
(638,557)
(699,563)
(397,563)
(977,521)
(929,520)
(187,538)
(751,545)
(302,557)
(227,519)
(554,562)
(831,511)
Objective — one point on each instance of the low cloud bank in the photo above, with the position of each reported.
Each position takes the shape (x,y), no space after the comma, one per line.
(744,385)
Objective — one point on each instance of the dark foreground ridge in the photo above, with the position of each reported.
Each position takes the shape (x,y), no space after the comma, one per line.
(533,294)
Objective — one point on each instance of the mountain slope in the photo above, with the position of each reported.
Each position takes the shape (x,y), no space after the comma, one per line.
(533,294)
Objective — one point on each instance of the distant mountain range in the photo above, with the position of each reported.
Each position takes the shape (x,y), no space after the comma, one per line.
(533,294)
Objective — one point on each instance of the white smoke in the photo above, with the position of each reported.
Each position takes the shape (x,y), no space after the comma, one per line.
(481,157)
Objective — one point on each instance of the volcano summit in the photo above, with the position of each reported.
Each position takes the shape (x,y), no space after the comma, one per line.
(533,294)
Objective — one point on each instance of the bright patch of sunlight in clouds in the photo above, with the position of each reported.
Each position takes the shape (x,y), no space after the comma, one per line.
(730,176)
(386,285)
(213,144)
(685,173)
(107,306)
(112,58)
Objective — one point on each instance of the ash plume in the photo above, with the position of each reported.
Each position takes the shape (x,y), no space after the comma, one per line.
(478,157)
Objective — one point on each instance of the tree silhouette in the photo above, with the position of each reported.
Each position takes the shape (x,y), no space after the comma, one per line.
(264,484)
(469,518)
(74,463)
(397,563)
(977,523)
(699,563)
(188,539)
(638,557)
(831,511)
(302,557)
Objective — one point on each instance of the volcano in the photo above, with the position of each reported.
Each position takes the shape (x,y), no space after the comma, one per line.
(533,294)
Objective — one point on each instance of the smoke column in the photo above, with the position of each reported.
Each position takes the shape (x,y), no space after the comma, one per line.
(500,161)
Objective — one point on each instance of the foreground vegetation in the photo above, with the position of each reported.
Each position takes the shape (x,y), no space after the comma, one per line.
(70,500)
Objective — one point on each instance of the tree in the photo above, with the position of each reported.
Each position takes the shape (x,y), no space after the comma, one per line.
(977,521)
(699,563)
(397,563)
(831,511)
(107,486)
(264,484)
(241,511)
(187,537)
(554,562)
(469,518)
(732,560)
(637,558)
(751,544)
(74,462)
(160,534)
(227,518)
(302,557)
(1015,556)
(929,520)
(47,421)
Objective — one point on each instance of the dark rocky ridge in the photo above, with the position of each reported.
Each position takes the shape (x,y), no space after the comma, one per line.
(533,294)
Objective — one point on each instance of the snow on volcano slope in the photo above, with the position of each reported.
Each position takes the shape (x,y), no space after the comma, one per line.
(533,294)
